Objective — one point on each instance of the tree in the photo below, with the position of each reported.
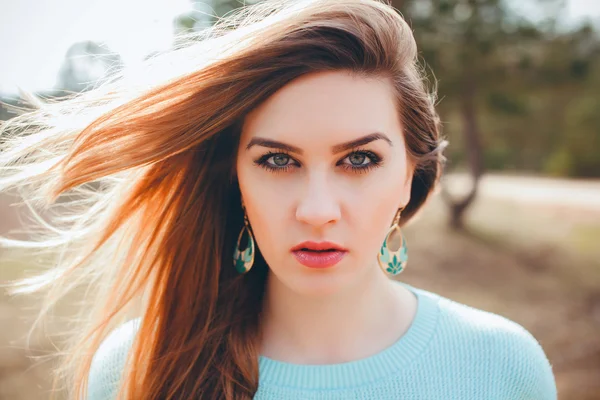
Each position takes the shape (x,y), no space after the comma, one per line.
(85,63)
(205,13)
(466,43)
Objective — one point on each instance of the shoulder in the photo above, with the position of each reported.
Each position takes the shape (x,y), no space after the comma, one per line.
(109,361)
(499,346)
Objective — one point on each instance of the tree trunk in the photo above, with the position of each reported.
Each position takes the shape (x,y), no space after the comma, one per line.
(473,148)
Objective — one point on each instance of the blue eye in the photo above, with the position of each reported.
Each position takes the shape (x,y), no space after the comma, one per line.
(276,162)
(280,160)
(361,161)
(358,159)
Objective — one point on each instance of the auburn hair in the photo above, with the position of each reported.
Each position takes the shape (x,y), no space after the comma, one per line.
(137,199)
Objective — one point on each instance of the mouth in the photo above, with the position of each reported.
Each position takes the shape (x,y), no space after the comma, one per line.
(318,247)
(317,251)
(319,254)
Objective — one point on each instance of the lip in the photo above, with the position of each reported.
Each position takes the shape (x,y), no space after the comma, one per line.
(307,254)
(318,246)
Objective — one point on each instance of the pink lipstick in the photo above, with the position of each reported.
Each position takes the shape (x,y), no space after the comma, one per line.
(318,254)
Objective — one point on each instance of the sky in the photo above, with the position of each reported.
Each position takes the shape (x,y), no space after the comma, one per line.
(35,35)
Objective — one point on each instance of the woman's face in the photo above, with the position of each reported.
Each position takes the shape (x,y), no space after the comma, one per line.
(323,160)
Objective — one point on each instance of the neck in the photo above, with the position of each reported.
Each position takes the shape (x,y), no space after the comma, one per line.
(351,324)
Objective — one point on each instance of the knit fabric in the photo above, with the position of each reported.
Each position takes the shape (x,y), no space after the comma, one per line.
(451,351)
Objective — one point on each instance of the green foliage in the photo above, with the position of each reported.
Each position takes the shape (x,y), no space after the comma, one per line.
(582,142)
(506,103)
(536,86)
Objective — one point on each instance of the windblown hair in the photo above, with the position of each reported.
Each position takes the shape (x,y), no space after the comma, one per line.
(139,198)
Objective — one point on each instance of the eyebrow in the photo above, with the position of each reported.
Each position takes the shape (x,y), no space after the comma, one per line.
(338,148)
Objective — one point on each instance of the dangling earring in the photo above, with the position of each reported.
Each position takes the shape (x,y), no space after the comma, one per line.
(243,259)
(393,256)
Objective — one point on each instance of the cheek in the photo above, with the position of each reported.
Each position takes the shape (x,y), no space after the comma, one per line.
(267,205)
(377,209)
(373,207)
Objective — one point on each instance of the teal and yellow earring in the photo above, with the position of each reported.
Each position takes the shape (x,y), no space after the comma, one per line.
(243,259)
(393,255)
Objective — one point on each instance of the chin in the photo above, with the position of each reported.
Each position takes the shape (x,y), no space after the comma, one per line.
(313,283)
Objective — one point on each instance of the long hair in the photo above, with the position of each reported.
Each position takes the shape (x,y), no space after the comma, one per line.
(139,198)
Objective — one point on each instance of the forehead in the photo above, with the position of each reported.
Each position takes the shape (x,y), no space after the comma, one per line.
(334,104)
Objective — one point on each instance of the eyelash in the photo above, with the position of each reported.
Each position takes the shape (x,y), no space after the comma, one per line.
(376,161)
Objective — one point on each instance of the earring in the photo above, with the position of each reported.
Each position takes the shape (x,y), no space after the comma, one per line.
(243,259)
(393,255)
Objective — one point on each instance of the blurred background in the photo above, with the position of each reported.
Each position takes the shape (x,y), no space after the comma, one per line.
(515,226)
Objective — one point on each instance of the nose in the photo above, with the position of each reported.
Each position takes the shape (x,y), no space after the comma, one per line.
(318,205)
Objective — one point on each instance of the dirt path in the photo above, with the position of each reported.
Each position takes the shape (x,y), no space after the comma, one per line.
(538,191)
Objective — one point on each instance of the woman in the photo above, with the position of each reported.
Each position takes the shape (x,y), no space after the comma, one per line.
(247,208)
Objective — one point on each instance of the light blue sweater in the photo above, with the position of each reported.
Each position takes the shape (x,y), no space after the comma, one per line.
(451,351)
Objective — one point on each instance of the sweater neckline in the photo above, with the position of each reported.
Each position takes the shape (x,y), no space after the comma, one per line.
(359,372)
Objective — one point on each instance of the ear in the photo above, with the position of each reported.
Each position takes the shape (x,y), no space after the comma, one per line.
(407,187)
